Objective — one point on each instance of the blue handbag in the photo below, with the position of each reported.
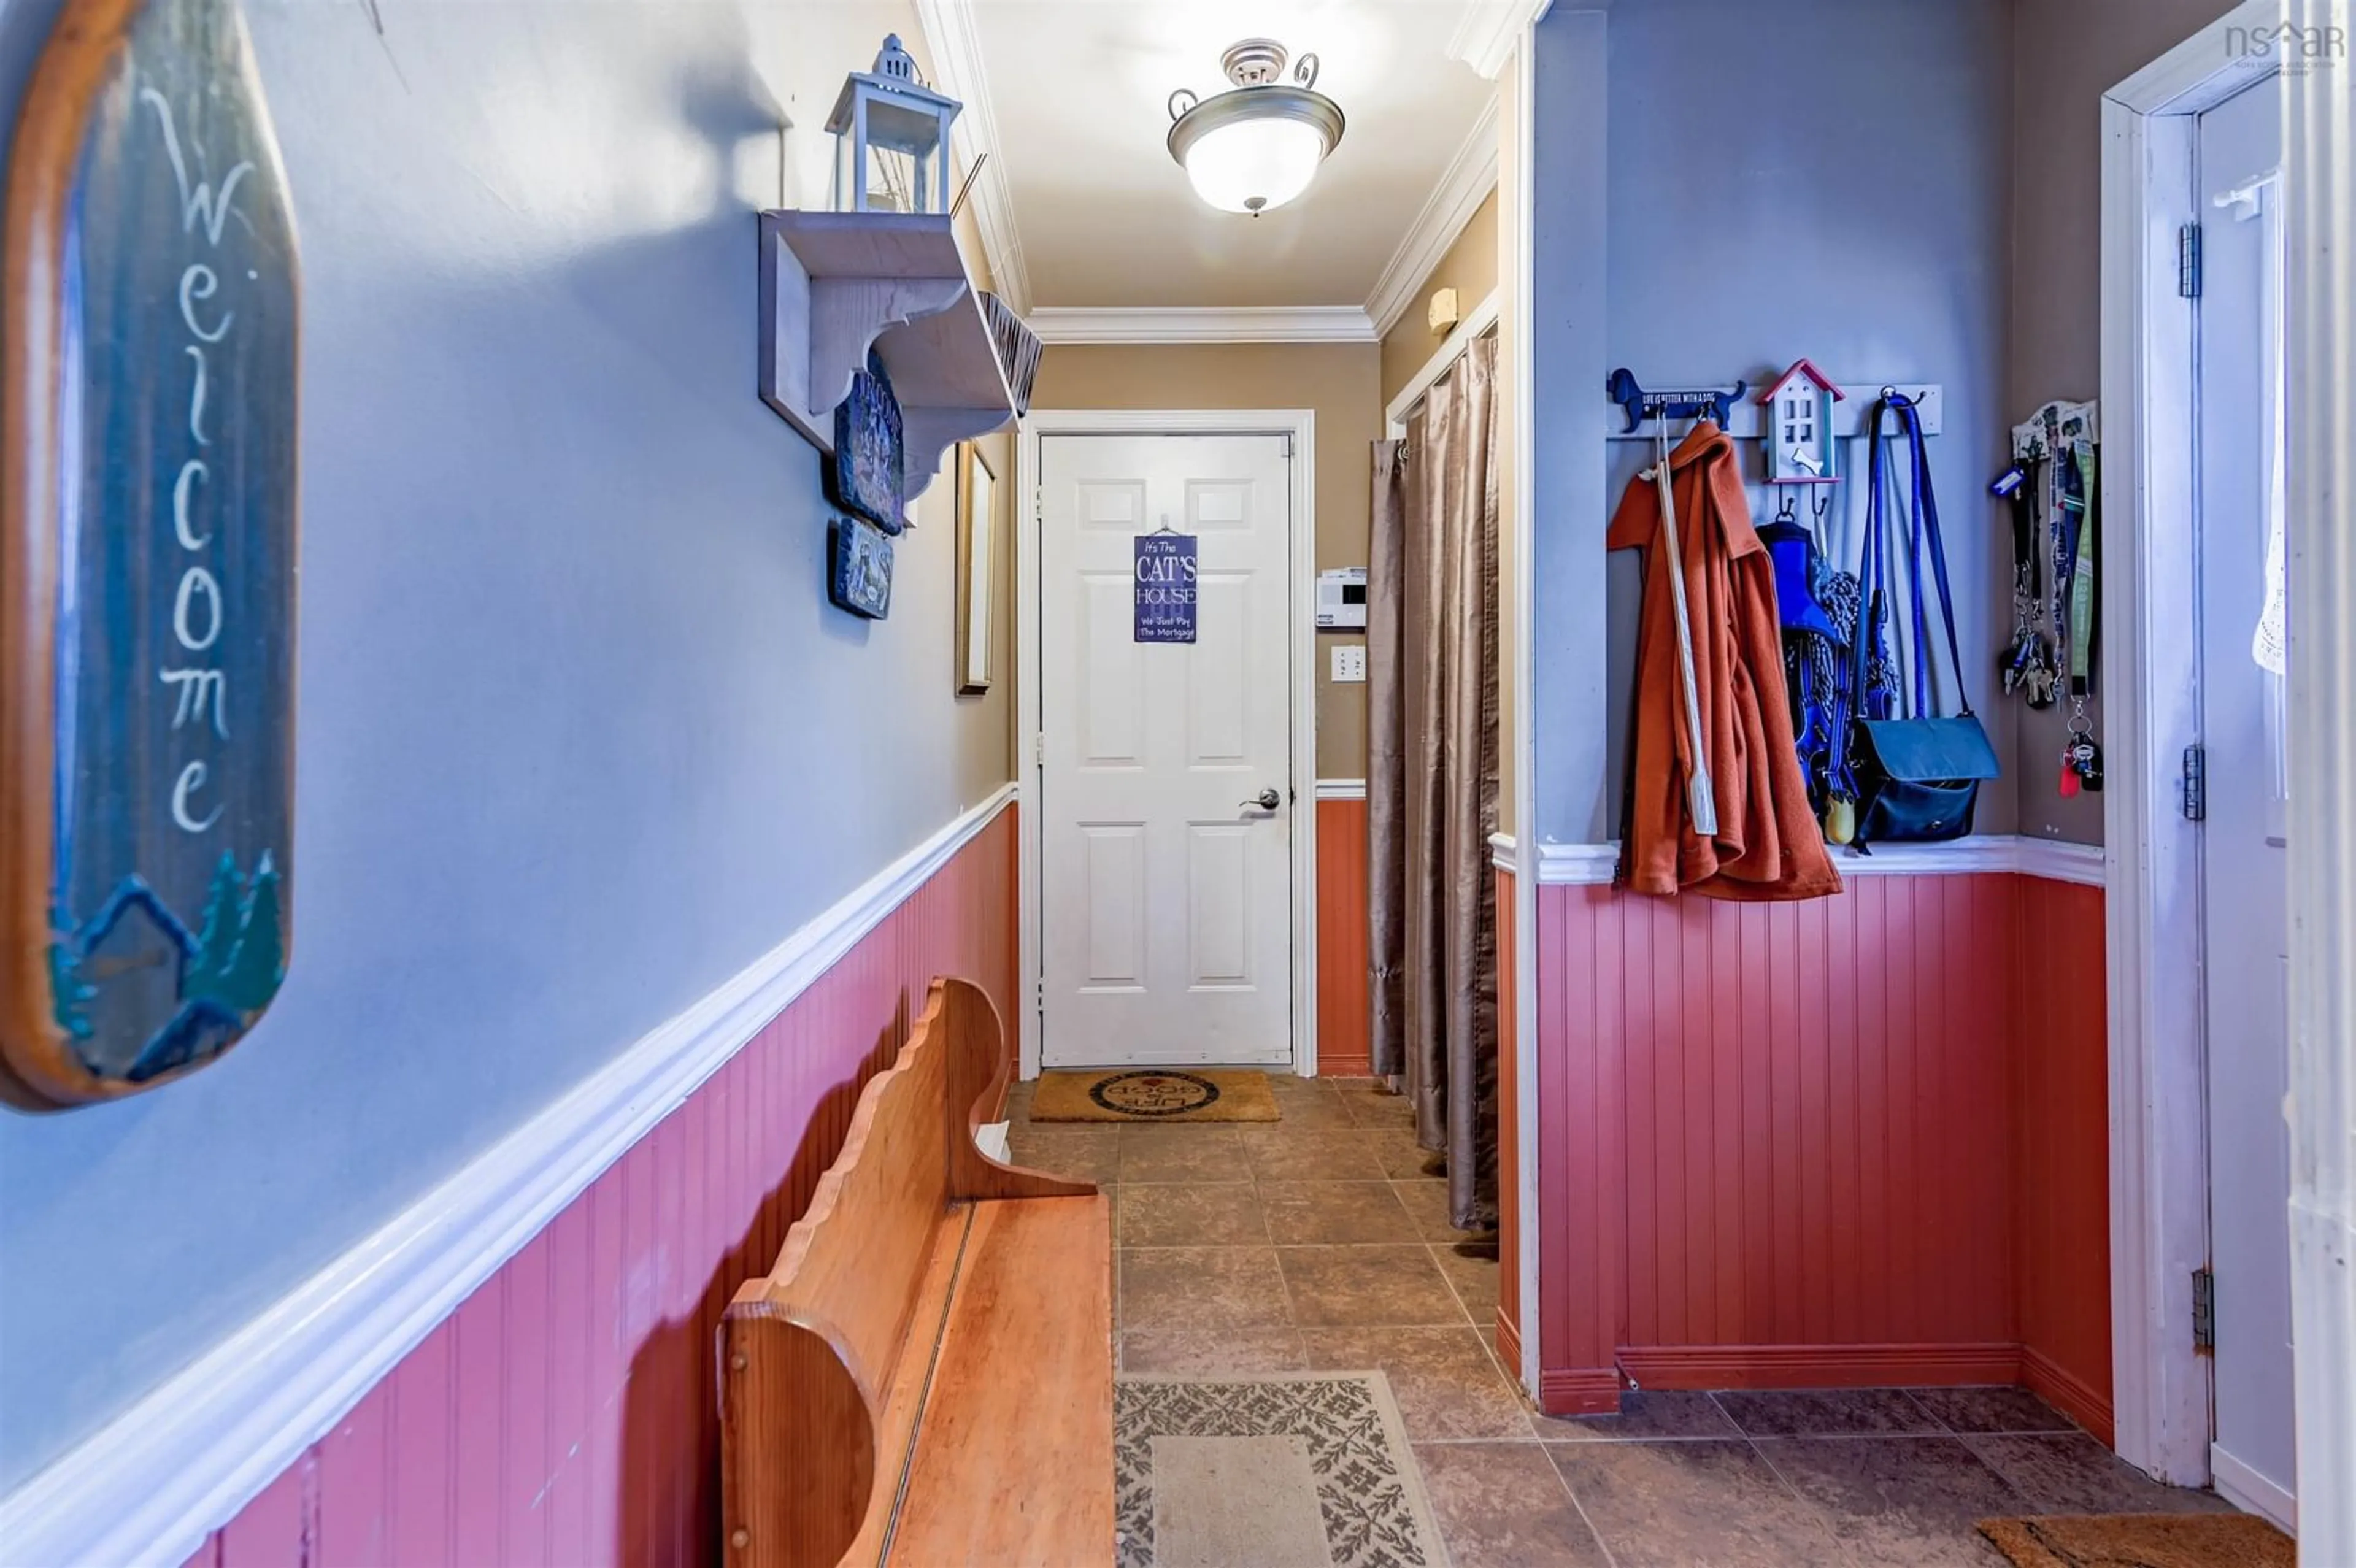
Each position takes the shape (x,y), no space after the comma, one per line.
(1915,777)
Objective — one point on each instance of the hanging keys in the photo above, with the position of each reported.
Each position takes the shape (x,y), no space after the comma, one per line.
(2037,682)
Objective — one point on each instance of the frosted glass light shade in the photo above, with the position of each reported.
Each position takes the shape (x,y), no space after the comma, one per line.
(1254,166)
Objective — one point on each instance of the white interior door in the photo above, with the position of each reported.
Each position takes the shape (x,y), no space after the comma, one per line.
(1166,787)
(2244,851)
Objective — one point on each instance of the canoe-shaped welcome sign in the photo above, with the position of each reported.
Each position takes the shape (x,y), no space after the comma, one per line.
(147,556)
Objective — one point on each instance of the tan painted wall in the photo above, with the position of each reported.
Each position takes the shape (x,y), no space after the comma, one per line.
(2065,54)
(1341,382)
(1470,268)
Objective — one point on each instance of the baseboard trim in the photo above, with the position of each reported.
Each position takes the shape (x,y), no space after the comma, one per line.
(1818,1366)
(2251,1492)
(1509,1344)
(2068,1392)
(154,1482)
(1331,1066)
(1578,1391)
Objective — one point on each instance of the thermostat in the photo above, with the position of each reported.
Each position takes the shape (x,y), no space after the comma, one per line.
(1342,599)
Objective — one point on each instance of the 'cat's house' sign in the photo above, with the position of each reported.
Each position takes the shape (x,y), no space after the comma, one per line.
(147,556)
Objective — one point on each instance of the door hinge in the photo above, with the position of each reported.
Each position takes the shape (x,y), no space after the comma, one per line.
(2187,261)
(2195,800)
(2204,1310)
(1039,750)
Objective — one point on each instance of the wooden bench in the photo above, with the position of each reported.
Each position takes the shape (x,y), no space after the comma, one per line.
(925,1378)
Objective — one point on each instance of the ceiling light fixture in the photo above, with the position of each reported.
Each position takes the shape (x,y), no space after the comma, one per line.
(1258,146)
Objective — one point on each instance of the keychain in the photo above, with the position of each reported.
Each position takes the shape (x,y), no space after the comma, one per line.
(2081,758)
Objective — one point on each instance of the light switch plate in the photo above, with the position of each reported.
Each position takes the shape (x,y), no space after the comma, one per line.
(1350,663)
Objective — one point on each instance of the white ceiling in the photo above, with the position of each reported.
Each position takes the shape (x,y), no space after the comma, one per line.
(1105,219)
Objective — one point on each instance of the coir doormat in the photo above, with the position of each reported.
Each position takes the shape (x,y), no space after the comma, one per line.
(1153,1094)
(2142,1540)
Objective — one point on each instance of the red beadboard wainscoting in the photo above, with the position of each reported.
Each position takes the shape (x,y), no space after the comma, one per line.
(1344,1043)
(1855,1141)
(564,1414)
(2062,1169)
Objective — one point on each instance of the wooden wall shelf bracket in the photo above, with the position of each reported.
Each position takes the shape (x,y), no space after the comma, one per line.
(836,285)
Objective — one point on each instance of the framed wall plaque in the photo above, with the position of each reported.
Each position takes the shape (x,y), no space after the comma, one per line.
(147,555)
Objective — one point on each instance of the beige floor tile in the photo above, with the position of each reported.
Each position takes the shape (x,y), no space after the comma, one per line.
(2072,1473)
(1309,1154)
(1675,1505)
(1475,1279)
(1402,1159)
(1825,1413)
(1198,1153)
(1991,1410)
(1083,1154)
(1302,1213)
(1428,1202)
(1235,1353)
(1644,1416)
(1378,1108)
(1448,1387)
(1309,1108)
(1909,1502)
(1367,1287)
(1188,1214)
(1200,1289)
(1502,1504)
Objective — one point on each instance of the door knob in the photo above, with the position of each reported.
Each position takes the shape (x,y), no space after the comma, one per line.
(1266,800)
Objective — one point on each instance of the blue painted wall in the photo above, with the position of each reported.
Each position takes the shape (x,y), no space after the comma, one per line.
(579,736)
(1819,177)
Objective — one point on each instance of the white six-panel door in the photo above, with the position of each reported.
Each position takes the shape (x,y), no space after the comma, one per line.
(1165,885)
(2245,847)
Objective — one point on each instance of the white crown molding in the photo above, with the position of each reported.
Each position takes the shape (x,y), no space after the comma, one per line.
(1485,38)
(1588,865)
(1187,323)
(954,43)
(1463,186)
(1340,789)
(156,1480)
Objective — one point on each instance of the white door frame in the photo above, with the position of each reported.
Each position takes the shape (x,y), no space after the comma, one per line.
(2158,1112)
(2319,236)
(1301,424)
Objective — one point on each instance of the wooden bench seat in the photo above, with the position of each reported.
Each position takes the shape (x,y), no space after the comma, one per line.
(925,1378)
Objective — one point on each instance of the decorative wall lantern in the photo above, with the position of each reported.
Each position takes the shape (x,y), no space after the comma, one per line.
(1259,146)
(890,139)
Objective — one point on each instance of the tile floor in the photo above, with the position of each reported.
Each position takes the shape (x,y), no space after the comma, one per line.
(1320,1242)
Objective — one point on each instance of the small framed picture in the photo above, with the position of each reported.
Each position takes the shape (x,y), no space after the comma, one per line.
(976,553)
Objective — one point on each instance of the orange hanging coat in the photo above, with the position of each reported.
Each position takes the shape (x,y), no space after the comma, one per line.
(1768,845)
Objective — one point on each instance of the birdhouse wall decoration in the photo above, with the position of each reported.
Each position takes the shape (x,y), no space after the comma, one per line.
(892,138)
(1797,426)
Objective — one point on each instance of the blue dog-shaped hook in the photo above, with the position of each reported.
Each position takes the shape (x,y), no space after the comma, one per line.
(1703,402)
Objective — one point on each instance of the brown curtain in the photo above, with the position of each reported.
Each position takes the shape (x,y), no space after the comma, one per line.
(1431,776)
